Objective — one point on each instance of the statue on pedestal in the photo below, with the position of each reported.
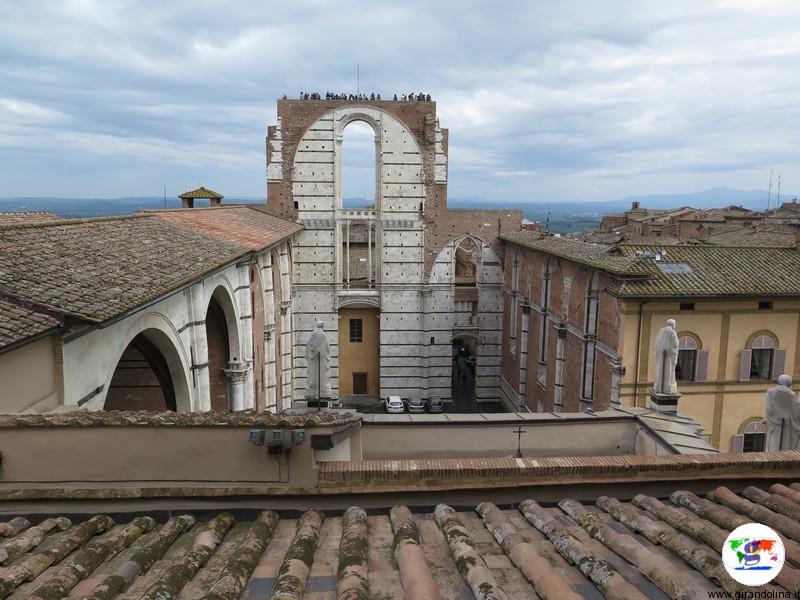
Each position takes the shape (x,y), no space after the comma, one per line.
(666,360)
(783,417)
(318,384)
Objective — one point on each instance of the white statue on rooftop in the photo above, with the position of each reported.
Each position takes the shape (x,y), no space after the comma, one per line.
(318,384)
(783,417)
(666,359)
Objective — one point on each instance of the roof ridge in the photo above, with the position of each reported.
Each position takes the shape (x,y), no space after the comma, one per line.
(68,221)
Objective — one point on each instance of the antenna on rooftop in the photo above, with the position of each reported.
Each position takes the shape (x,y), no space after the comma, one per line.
(358,78)
(547,222)
(165,196)
(769,192)
(778,199)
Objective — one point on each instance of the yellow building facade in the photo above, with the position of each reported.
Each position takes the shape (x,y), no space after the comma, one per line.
(724,402)
(359,351)
(738,322)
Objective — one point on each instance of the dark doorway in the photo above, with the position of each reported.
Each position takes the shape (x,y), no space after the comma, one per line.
(463,382)
(218,353)
(359,383)
(142,380)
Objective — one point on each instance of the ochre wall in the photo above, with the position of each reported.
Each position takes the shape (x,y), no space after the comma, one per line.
(359,357)
(28,376)
(724,326)
(136,455)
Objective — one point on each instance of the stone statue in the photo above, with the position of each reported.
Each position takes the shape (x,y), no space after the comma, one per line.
(783,417)
(318,384)
(666,359)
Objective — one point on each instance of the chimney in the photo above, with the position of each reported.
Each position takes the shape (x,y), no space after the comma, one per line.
(634,205)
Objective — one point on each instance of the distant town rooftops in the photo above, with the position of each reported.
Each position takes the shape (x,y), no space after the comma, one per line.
(96,269)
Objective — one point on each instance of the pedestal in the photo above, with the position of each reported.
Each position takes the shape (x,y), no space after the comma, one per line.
(664,402)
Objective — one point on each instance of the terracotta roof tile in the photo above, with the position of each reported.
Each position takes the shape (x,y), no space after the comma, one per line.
(96,269)
(18,323)
(201,193)
(241,225)
(714,271)
(29,216)
(601,547)
(598,256)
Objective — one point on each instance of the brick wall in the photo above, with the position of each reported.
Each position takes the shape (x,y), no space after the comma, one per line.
(567,320)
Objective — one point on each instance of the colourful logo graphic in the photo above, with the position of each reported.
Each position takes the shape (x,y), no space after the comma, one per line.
(753,554)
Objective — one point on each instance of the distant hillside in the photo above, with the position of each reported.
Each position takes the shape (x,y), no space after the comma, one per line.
(565,217)
(99,207)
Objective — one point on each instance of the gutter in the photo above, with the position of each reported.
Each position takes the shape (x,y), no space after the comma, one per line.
(638,353)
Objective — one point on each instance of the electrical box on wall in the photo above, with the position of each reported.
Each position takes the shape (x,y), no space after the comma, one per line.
(298,436)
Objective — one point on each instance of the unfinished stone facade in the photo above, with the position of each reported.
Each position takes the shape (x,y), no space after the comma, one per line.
(411,241)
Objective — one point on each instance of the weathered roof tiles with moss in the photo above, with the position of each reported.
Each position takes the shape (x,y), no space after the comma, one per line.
(144,418)
(607,547)
(714,271)
(19,323)
(97,269)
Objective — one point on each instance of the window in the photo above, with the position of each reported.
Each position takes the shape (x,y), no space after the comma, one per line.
(687,359)
(762,361)
(356,330)
(687,306)
(752,439)
(764,305)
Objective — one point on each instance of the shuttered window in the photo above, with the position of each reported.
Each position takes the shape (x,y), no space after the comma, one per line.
(762,361)
(753,439)
(692,361)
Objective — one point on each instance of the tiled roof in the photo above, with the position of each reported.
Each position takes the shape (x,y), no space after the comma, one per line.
(19,323)
(145,418)
(243,225)
(28,216)
(715,271)
(597,256)
(201,193)
(605,547)
(96,269)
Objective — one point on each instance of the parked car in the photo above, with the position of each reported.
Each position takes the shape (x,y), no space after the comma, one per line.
(435,405)
(394,404)
(416,405)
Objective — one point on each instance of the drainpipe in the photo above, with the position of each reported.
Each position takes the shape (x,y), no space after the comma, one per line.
(638,352)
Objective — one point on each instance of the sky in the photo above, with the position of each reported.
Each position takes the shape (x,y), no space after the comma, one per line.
(545,101)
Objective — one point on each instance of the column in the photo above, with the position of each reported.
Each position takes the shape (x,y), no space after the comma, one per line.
(237,373)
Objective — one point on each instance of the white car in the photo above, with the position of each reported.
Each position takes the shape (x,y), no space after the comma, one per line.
(394,404)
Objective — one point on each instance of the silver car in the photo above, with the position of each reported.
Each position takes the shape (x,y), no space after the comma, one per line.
(416,405)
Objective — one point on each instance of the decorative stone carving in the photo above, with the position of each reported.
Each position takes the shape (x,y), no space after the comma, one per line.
(318,372)
(782,417)
(664,395)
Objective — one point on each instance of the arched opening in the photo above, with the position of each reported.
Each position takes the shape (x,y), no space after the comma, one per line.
(358,166)
(222,342)
(259,349)
(147,376)
(465,350)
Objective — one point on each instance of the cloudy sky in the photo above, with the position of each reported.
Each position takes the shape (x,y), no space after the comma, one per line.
(545,101)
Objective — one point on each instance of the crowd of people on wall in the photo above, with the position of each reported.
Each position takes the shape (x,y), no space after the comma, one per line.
(419,97)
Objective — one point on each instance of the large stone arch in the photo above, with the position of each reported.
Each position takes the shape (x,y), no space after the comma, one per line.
(224,348)
(162,334)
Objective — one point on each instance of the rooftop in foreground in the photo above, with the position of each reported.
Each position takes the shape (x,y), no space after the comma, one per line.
(645,547)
